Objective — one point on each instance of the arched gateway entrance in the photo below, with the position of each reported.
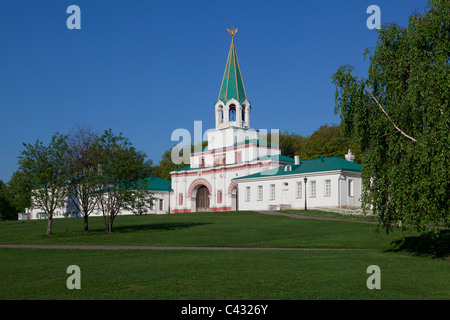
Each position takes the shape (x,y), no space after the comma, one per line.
(199,193)
(202,199)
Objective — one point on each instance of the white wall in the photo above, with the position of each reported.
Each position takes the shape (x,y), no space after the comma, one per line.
(249,152)
(286,195)
(215,178)
(229,136)
(63,212)
(219,177)
(347,200)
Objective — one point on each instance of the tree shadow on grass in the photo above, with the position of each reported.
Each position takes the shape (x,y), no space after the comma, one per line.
(426,244)
(152,227)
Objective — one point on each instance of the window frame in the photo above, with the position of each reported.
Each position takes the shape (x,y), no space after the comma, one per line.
(260,195)
(299,190)
(327,188)
(312,189)
(272,192)
(238,156)
(219,196)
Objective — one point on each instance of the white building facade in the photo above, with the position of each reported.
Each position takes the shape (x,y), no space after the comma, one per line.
(159,190)
(318,183)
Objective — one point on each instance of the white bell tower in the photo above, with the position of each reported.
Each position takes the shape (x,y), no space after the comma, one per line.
(232,109)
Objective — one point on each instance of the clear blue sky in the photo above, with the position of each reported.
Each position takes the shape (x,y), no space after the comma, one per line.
(146,68)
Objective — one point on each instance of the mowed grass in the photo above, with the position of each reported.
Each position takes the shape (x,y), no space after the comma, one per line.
(222,229)
(406,273)
(211,275)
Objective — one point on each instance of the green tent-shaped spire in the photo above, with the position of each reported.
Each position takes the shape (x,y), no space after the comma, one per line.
(232,84)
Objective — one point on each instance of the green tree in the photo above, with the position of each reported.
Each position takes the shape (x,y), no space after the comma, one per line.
(43,174)
(328,141)
(121,180)
(292,144)
(7,208)
(399,117)
(166,164)
(20,192)
(83,166)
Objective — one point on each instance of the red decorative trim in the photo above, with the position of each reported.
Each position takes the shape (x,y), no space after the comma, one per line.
(226,168)
(181,210)
(199,182)
(220,209)
(231,187)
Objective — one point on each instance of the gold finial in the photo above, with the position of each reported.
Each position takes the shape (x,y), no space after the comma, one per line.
(232,32)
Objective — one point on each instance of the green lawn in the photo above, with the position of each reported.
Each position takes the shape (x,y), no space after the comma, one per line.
(242,229)
(415,270)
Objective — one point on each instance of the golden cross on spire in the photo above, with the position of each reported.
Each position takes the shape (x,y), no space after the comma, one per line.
(232,32)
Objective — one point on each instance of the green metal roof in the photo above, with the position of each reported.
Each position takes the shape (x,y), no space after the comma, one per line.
(184,168)
(157,184)
(313,165)
(232,84)
(151,183)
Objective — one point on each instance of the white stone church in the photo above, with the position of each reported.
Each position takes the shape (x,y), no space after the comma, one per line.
(240,171)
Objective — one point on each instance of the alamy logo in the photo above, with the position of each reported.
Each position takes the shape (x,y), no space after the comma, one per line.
(181,152)
(374,21)
(74,20)
(374,281)
(74,281)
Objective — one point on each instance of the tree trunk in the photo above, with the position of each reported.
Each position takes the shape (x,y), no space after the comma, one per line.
(86,229)
(49,225)
(110,225)
(105,220)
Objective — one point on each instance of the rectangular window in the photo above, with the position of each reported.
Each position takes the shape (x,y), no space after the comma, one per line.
(161,204)
(313,189)
(272,192)
(247,194)
(299,190)
(260,193)
(219,196)
(220,160)
(180,199)
(327,188)
(350,188)
(238,156)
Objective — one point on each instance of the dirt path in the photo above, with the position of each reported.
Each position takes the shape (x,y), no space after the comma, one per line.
(87,247)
